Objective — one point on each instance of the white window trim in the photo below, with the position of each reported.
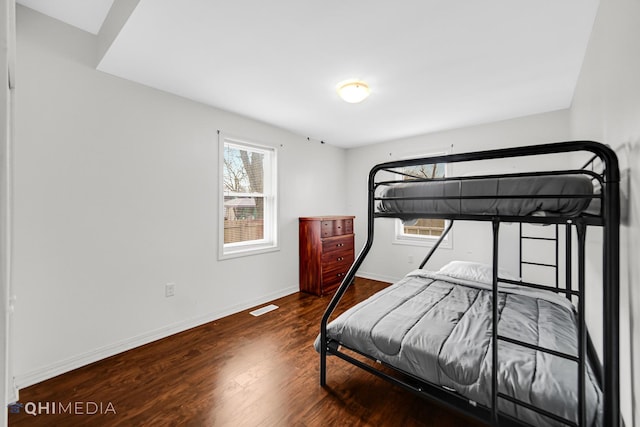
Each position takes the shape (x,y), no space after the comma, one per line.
(399,238)
(270,243)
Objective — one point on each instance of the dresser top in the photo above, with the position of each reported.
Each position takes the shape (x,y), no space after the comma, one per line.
(325,218)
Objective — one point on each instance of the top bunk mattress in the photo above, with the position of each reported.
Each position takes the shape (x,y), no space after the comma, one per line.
(554,195)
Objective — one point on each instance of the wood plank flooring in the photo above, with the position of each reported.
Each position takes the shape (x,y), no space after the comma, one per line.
(237,371)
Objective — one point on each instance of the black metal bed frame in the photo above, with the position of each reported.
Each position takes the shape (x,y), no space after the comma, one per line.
(607,373)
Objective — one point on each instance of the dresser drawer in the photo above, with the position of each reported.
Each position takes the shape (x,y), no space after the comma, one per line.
(336,227)
(329,284)
(339,243)
(344,254)
(335,272)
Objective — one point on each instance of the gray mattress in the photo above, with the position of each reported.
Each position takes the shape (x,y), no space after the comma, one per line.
(532,188)
(439,329)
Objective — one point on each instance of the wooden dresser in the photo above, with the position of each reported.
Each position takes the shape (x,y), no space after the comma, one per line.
(326,252)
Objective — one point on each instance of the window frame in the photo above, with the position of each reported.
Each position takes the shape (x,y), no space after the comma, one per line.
(400,238)
(270,240)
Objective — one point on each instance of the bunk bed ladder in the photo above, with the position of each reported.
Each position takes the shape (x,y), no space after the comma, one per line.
(553,266)
(583,338)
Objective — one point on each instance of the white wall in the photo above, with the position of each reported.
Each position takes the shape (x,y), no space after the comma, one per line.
(7,60)
(116,189)
(471,240)
(606,106)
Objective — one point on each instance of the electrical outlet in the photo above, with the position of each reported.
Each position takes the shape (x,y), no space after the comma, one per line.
(410,259)
(169,290)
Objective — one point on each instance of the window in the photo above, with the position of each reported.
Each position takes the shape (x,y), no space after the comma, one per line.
(423,231)
(248,181)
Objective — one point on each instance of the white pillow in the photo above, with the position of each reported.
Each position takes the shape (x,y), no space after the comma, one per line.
(474,271)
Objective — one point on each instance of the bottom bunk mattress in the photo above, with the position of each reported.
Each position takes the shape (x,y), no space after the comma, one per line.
(439,329)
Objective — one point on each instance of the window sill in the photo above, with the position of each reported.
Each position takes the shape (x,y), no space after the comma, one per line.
(247,251)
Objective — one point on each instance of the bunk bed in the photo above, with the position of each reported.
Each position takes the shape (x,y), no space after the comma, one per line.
(527,359)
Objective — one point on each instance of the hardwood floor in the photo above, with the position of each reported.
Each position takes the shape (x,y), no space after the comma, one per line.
(237,371)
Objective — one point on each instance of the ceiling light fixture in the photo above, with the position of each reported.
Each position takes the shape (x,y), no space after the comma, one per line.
(353,91)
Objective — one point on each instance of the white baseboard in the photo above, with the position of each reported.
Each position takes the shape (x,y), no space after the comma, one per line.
(61,367)
(379,277)
(13,395)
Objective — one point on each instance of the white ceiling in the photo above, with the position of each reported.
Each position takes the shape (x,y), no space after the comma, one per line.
(431,64)
(87,15)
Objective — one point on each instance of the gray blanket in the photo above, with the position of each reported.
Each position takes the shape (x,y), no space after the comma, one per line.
(441,331)
(496,189)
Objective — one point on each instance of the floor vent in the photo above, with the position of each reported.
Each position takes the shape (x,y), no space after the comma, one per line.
(263,310)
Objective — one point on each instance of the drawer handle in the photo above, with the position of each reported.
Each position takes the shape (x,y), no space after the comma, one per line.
(340,274)
(340,244)
(340,258)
